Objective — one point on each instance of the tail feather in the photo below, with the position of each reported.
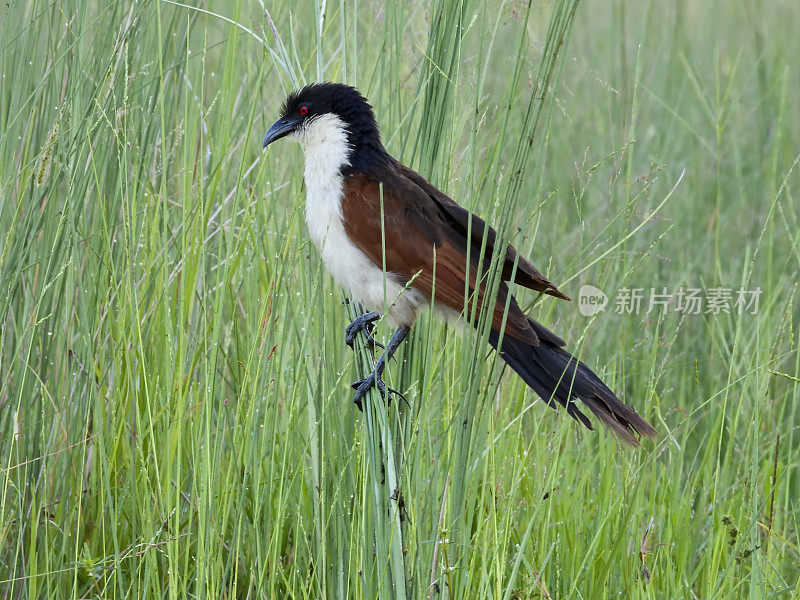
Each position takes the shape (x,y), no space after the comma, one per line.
(555,375)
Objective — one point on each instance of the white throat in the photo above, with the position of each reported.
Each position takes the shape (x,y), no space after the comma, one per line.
(324,140)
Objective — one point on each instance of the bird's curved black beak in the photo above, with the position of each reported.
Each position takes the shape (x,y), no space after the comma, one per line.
(280,128)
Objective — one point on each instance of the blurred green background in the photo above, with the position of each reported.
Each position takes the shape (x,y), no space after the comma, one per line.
(175,412)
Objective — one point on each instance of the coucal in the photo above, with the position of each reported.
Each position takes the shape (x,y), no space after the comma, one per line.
(365,209)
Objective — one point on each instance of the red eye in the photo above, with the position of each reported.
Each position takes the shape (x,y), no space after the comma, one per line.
(303,110)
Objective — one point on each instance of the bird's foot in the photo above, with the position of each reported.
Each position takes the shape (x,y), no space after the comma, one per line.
(375,379)
(362,323)
(363,386)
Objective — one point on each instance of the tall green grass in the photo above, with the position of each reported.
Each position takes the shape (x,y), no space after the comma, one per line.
(175,412)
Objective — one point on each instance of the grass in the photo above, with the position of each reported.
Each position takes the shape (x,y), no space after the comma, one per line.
(175,414)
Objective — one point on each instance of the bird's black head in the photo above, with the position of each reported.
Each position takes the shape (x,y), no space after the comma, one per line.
(314,110)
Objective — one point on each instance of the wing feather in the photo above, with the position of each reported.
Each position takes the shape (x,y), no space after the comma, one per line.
(422,245)
(526,275)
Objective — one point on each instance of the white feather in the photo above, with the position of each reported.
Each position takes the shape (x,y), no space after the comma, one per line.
(324,140)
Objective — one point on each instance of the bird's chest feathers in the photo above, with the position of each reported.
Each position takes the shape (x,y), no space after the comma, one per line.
(326,150)
(324,141)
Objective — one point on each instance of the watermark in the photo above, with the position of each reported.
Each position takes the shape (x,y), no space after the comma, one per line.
(684,300)
(591,300)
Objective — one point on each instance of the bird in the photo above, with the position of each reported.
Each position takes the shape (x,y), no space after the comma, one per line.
(398,245)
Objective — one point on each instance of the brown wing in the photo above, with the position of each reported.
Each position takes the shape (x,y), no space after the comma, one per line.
(527,275)
(421,244)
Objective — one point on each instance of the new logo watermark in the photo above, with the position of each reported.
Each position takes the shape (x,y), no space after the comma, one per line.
(591,300)
(685,300)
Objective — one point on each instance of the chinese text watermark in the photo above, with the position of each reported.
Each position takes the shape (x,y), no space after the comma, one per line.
(684,300)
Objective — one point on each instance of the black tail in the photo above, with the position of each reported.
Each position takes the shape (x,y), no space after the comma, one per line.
(554,374)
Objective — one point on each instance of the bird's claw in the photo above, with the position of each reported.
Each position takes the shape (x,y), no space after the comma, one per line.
(363,386)
(362,323)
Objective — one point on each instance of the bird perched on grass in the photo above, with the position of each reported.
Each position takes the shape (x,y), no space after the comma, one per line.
(365,209)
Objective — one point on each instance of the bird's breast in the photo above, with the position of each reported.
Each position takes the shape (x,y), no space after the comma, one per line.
(350,267)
